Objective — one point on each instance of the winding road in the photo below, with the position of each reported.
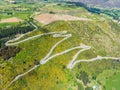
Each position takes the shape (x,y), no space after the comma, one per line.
(73,62)
(48,57)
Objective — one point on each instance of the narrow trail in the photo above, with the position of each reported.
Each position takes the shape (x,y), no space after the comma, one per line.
(8,42)
(84,48)
(58,54)
(53,47)
(74,61)
(15,43)
(19,76)
(48,57)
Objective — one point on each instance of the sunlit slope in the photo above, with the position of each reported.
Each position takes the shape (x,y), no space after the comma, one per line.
(98,34)
(102,36)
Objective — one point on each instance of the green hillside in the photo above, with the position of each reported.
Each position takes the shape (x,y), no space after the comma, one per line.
(54,75)
(42,59)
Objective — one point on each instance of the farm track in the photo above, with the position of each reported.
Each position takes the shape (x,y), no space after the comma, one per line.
(48,57)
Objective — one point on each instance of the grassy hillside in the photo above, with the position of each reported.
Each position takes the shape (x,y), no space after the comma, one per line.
(54,75)
(101,33)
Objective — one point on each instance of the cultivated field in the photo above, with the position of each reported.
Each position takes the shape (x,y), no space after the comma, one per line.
(10,20)
(48,18)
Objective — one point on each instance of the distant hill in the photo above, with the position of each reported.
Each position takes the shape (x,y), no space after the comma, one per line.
(98,3)
(101,3)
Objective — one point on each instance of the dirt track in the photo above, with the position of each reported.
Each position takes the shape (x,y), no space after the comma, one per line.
(48,18)
(48,57)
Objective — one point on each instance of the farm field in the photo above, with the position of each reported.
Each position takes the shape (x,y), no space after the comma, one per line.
(48,18)
(11,20)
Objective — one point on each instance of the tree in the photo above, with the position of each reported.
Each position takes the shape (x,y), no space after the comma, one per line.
(84,77)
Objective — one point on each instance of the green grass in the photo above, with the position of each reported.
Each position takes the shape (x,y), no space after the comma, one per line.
(80,87)
(3,25)
(113,83)
(22,16)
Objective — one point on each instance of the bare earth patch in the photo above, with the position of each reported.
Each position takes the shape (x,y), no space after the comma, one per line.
(10,20)
(48,18)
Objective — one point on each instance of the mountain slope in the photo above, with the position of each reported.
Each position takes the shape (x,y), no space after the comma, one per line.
(54,75)
(47,52)
(101,3)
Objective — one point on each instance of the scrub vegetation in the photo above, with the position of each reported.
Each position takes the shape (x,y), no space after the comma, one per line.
(101,33)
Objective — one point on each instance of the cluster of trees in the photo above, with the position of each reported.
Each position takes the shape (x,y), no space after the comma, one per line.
(2,42)
(115,14)
(8,52)
(94,10)
(84,77)
(6,32)
(79,4)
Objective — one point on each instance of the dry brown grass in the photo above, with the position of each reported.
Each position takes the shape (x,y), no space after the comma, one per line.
(10,20)
(48,18)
